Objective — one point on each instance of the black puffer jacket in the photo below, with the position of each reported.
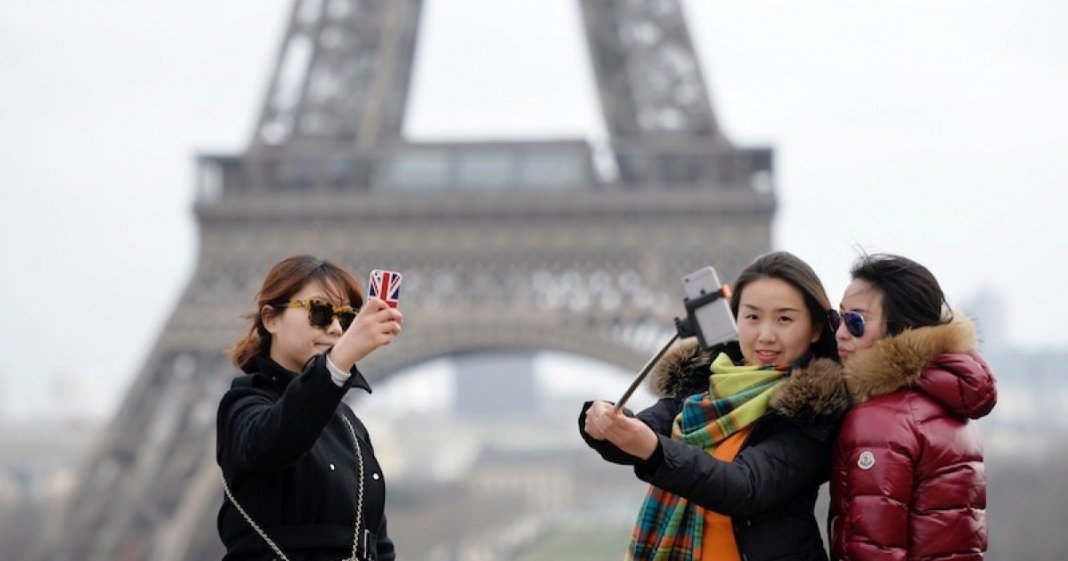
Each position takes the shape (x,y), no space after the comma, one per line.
(289,459)
(769,489)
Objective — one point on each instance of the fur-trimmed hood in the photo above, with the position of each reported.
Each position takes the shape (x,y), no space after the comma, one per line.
(940,361)
(814,391)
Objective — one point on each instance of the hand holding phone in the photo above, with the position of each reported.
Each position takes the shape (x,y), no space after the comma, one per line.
(385,284)
(378,328)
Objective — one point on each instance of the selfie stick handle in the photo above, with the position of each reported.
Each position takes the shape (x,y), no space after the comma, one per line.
(645,372)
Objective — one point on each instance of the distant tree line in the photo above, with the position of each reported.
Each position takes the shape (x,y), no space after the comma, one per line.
(1027,512)
(1027,505)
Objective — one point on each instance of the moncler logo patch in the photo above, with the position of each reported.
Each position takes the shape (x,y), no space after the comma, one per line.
(867,460)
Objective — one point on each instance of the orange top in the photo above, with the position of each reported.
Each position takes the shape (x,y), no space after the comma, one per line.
(717,541)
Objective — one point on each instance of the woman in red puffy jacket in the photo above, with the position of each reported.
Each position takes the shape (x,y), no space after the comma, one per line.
(908,480)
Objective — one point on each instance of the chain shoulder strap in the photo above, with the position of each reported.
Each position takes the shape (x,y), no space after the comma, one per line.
(251,522)
(359,490)
(359,503)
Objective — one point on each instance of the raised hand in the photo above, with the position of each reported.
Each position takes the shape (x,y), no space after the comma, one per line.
(375,326)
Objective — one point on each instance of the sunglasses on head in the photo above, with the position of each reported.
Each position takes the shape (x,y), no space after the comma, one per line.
(322,313)
(854,322)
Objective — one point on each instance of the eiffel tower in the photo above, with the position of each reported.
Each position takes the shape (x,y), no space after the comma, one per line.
(512,245)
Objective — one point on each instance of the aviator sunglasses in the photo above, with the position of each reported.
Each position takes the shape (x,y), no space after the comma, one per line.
(854,322)
(322,313)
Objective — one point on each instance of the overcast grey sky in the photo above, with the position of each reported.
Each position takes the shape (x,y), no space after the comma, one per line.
(934,129)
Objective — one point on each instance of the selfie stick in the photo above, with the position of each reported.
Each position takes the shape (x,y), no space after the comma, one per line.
(683,328)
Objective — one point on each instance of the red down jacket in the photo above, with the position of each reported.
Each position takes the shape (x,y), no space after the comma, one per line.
(908,480)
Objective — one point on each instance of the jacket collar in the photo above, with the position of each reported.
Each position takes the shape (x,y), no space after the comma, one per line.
(275,374)
(279,377)
(814,390)
(939,360)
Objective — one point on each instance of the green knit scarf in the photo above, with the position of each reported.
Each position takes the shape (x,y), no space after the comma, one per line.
(669,527)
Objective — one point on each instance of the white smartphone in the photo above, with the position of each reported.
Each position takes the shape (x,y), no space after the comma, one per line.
(714,321)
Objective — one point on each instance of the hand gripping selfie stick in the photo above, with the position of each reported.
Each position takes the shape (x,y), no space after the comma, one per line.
(688,327)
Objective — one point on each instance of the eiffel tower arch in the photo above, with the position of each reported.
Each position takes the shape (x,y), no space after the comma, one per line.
(504,245)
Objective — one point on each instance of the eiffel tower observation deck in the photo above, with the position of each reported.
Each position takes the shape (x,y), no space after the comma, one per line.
(505,245)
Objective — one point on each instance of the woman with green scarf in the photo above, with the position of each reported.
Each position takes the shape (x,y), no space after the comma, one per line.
(741,440)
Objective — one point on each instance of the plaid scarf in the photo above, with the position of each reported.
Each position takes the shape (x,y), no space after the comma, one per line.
(669,527)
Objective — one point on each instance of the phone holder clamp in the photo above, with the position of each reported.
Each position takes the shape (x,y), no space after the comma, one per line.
(689,327)
(684,328)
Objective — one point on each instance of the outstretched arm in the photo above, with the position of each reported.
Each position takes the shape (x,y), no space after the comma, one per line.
(598,418)
(759,478)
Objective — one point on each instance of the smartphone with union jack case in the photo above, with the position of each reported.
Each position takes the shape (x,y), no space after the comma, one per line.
(385,284)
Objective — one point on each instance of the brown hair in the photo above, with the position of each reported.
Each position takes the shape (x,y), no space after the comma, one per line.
(284,280)
(788,267)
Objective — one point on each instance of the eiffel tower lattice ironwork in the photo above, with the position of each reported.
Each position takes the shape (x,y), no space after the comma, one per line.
(505,245)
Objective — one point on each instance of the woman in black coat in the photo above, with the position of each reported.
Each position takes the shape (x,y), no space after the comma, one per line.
(300,475)
(735,459)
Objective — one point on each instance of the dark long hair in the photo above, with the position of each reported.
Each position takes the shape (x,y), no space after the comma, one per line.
(284,280)
(912,296)
(787,267)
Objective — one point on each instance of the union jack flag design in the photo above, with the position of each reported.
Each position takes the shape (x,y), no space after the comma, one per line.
(385,285)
